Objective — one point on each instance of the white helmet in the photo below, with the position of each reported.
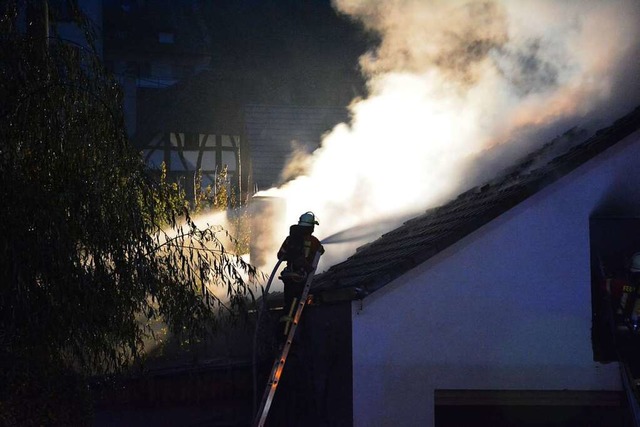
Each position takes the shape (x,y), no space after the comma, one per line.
(635,263)
(308,219)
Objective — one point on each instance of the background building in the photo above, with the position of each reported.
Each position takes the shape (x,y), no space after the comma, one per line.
(228,85)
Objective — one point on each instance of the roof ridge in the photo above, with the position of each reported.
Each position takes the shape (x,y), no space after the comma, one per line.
(378,262)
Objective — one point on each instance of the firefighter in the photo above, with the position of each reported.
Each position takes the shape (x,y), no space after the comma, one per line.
(299,250)
(630,301)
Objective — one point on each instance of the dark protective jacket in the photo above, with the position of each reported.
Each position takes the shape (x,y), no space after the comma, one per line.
(299,248)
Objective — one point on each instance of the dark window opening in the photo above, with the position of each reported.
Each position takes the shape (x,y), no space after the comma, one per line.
(166,37)
(614,290)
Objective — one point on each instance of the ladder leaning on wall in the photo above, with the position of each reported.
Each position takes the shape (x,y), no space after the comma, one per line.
(278,364)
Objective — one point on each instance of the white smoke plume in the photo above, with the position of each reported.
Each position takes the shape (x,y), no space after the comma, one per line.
(451,79)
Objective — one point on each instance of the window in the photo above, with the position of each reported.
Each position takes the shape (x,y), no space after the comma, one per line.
(165,37)
(613,241)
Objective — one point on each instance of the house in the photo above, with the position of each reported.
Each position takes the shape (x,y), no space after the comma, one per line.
(207,122)
(151,46)
(212,85)
(276,133)
(486,308)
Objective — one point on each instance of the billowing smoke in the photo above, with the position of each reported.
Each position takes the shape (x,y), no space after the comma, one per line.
(452,82)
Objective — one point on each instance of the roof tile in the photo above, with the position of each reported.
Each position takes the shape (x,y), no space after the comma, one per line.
(418,239)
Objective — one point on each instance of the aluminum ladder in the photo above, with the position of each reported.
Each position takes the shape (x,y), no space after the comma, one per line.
(278,364)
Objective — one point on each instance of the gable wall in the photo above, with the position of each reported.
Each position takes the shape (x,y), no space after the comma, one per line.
(274,133)
(508,307)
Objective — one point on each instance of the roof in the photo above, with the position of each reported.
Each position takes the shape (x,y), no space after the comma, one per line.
(274,133)
(378,263)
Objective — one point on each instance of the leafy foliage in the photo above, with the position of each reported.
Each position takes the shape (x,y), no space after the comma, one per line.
(88,243)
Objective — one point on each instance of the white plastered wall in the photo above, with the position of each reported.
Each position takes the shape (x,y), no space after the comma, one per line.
(507,307)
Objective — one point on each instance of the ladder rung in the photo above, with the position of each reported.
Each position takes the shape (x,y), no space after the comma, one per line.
(278,365)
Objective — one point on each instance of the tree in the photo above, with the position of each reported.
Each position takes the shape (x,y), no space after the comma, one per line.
(89,244)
